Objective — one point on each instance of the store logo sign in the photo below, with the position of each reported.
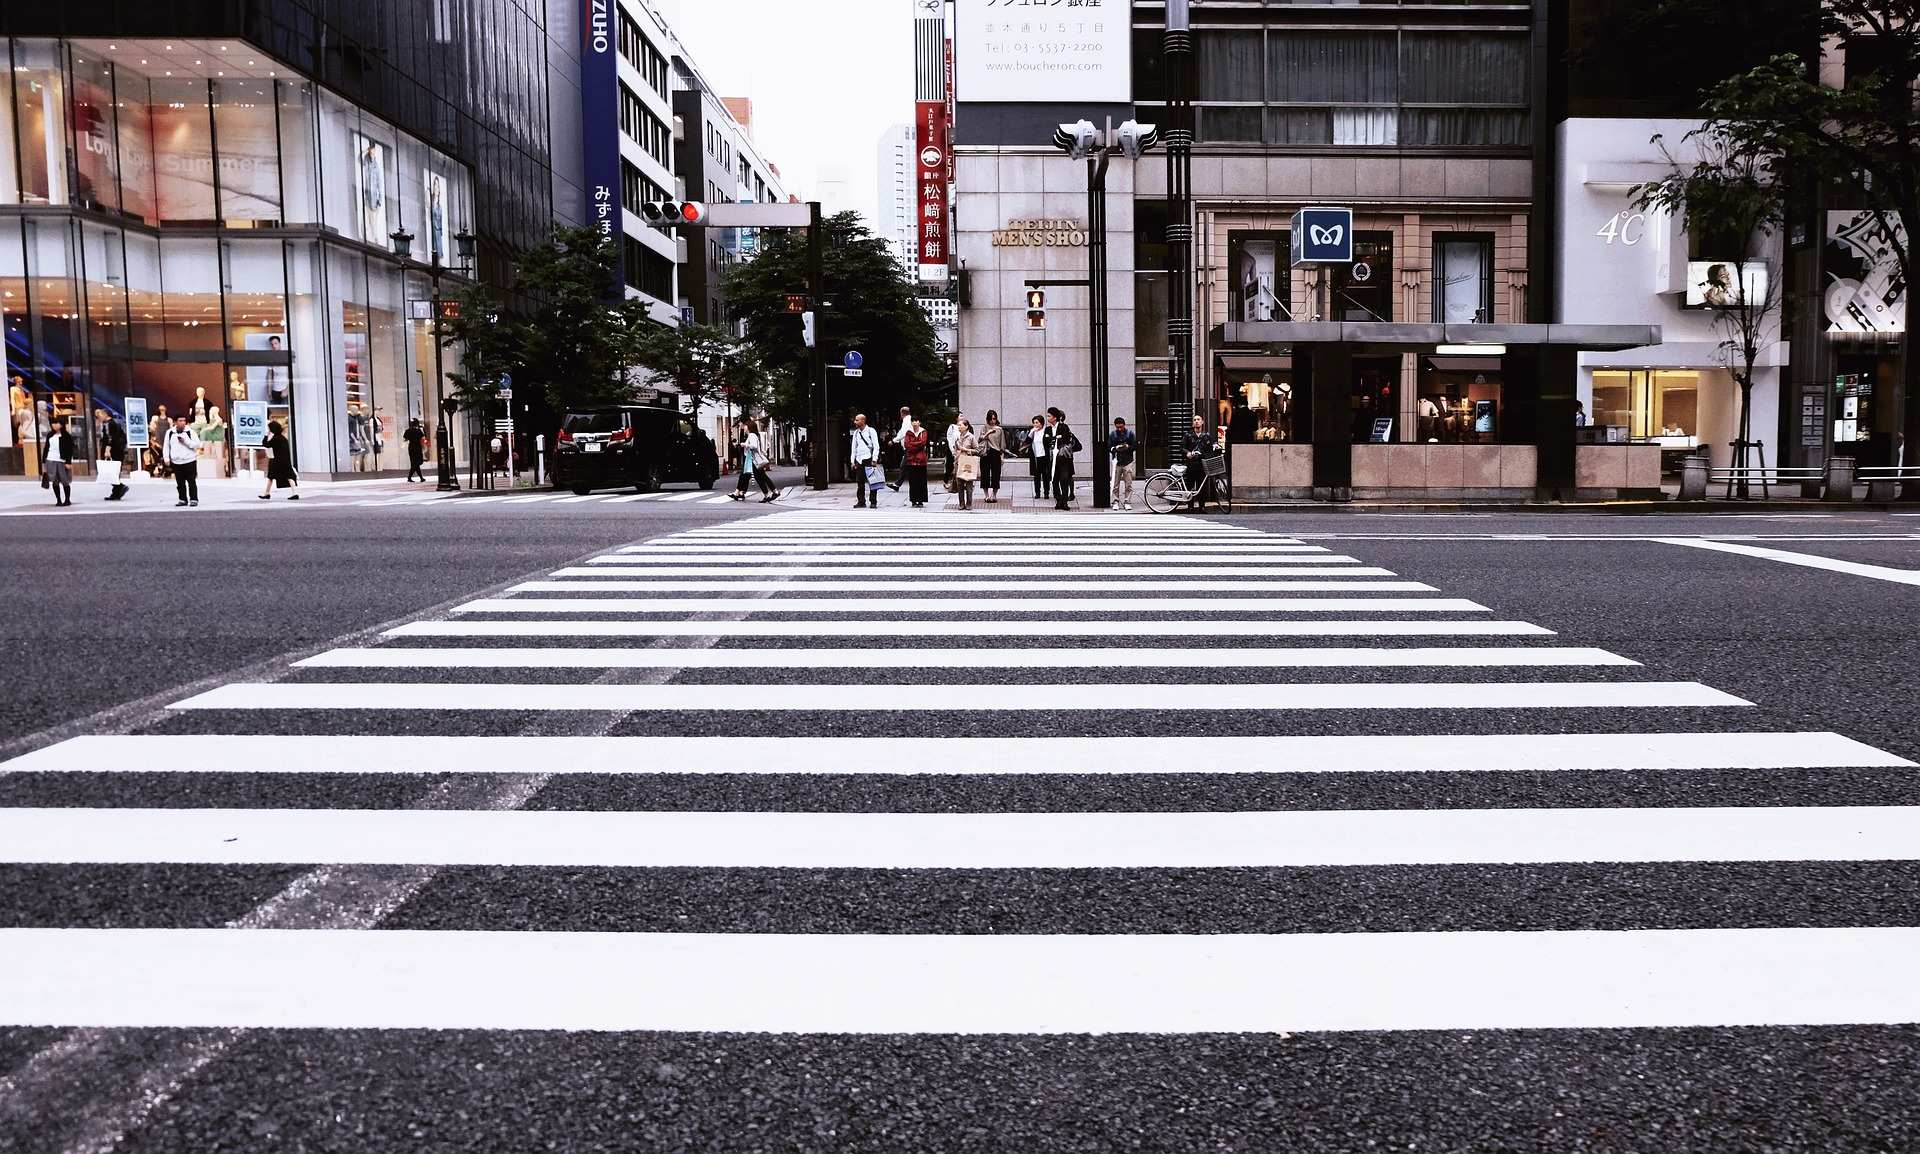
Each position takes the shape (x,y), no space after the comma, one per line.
(599,25)
(1323,236)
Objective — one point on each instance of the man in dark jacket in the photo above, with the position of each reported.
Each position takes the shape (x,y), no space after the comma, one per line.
(1200,444)
(113,447)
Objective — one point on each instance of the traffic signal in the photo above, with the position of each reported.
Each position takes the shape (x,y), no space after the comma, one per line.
(670,213)
(806,328)
(1036,309)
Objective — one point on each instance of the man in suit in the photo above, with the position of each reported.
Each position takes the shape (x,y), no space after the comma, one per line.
(1061,445)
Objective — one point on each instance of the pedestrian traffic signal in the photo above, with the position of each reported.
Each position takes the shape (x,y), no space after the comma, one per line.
(806,328)
(1036,309)
(669,213)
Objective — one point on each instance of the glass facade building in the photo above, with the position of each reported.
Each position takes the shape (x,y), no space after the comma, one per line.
(198,204)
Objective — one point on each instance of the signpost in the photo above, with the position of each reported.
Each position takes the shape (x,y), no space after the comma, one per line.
(249,424)
(850,365)
(136,422)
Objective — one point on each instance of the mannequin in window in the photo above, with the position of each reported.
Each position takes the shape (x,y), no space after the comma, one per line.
(276,378)
(198,414)
(213,441)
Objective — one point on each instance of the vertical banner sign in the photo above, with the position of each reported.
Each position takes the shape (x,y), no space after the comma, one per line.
(249,424)
(930,166)
(600,126)
(950,109)
(136,422)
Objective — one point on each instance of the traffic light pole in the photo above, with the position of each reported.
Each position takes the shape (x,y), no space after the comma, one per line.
(820,455)
(1102,466)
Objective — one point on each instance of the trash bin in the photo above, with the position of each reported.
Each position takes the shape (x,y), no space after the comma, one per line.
(1693,479)
(1839,479)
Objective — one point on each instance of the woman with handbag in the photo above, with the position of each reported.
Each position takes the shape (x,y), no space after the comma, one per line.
(1035,447)
(56,462)
(966,462)
(914,462)
(753,462)
(280,462)
(993,447)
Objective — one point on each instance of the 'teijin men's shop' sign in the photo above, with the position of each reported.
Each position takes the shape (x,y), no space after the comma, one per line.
(1040,234)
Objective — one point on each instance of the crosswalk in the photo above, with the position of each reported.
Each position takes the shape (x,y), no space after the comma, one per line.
(1105,705)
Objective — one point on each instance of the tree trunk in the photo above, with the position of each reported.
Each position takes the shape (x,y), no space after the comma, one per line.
(1909,436)
(1744,433)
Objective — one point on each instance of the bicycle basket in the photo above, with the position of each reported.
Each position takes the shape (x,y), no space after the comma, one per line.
(1216,466)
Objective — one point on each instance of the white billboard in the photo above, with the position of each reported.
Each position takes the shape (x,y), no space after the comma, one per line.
(1053,53)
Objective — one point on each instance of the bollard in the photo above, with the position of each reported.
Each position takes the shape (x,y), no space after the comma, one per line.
(1839,479)
(1693,478)
(539,460)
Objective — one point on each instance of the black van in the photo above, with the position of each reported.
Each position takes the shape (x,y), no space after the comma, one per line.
(643,446)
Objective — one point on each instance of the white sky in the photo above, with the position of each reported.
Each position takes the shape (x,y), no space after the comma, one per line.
(826,78)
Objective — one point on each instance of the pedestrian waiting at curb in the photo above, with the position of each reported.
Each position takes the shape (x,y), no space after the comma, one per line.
(966,457)
(914,462)
(900,438)
(56,463)
(1035,450)
(182,454)
(869,475)
(1122,445)
(993,450)
(1061,446)
(280,472)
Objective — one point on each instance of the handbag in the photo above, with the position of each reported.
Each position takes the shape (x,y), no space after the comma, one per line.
(876,477)
(108,472)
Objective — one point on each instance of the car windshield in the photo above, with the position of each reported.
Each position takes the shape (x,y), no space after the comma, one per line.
(593,422)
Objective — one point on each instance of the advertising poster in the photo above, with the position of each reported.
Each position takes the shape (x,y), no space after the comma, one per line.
(434,197)
(249,424)
(1029,53)
(183,170)
(370,188)
(1260,274)
(136,422)
(1725,285)
(1865,291)
(266,382)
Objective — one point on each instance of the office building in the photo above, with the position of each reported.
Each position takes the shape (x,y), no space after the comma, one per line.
(897,221)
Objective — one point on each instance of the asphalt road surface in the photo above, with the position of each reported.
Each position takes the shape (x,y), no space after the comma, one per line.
(637,828)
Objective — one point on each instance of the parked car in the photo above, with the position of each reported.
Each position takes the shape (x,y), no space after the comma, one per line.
(639,445)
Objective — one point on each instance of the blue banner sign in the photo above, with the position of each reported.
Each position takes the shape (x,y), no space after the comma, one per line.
(136,422)
(600,126)
(249,424)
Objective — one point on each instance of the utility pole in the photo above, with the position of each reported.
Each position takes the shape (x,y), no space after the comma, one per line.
(1177,47)
(820,464)
(1097,318)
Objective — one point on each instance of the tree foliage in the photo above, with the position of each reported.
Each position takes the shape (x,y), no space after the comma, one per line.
(1736,198)
(868,304)
(705,362)
(577,343)
(488,341)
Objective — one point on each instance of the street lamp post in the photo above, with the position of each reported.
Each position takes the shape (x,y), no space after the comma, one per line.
(1177,47)
(403,248)
(1082,141)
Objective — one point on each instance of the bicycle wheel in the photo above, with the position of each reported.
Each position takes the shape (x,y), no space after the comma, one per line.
(1164,494)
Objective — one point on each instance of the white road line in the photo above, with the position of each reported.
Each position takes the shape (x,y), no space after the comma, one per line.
(459,501)
(583,499)
(884,607)
(630,497)
(533,498)
(671,547)
(959,983)
(962,585)
(1275,698)
(1808,560)
(1466,657)
(926,629)
(785,537)
(718,501)
(113,754)
(693,495)
(1179,571)
(762,840)
(1127,562)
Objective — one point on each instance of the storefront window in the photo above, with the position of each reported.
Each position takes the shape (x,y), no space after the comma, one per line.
(96,151)
(386,325)
(133,99)
(146,322)
(39,94)
(299,168)
(1364,290)
(103,259)
(352,359)
(310,348)
(245,126)
(1260,405)
(9,168)
(1376,399)
(17,454)
(1462,279)
(1262,274)
(1459,401)
(183,151)
(256,312)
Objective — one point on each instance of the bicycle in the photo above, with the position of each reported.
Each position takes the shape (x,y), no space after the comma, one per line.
(1167,489)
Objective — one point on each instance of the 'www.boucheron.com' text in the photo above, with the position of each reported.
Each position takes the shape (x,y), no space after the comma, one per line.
(1046,66)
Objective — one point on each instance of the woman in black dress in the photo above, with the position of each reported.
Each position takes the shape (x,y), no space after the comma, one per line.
(280,468)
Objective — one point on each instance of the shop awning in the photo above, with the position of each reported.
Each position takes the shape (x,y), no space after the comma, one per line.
(1389,336)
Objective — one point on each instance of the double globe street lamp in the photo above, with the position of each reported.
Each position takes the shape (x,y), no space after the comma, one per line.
(463,245)
(1081,140)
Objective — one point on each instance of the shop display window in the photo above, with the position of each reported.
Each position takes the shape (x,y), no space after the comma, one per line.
(1662,406)
(1262,407)
(1376,398)
(133,115)
(183,151)
(1261,276)
(40,132)
(246,127)
(1364,290)
(95,143)
(1462,279)
(1459,401)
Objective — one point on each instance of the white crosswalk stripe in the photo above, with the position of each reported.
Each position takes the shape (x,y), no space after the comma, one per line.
(1122,699)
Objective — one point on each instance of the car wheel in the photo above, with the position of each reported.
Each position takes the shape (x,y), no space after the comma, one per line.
(706,482)
(581,490)
(650,479)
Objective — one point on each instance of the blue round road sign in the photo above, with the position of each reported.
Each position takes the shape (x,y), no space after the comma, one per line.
(852,360)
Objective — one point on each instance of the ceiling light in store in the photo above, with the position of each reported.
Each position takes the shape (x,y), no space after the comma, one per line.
(1470,350)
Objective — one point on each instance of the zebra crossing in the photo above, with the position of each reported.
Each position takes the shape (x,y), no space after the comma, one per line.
(1105,705)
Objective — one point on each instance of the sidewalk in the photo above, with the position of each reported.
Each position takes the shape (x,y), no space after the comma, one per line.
(225,492)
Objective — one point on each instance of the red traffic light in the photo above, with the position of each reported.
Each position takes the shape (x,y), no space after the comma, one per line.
(692,212)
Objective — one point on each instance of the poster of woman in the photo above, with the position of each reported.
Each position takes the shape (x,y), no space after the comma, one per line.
(370,188)
(435,187)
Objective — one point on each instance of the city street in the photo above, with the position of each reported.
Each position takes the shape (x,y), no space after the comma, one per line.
(644,826)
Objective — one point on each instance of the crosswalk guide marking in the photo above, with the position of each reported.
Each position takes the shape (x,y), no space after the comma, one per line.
(962,585)
(1098,696)
(745,840)
(1123,563)
(960,983)
(998,572)
(1169,627)
(979,657)
(882,608)
(216,753)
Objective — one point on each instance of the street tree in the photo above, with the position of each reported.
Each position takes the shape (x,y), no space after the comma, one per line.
(1735,200)
(705,362)
(487,339)
(868,305)
(575,343)
(1863,137)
